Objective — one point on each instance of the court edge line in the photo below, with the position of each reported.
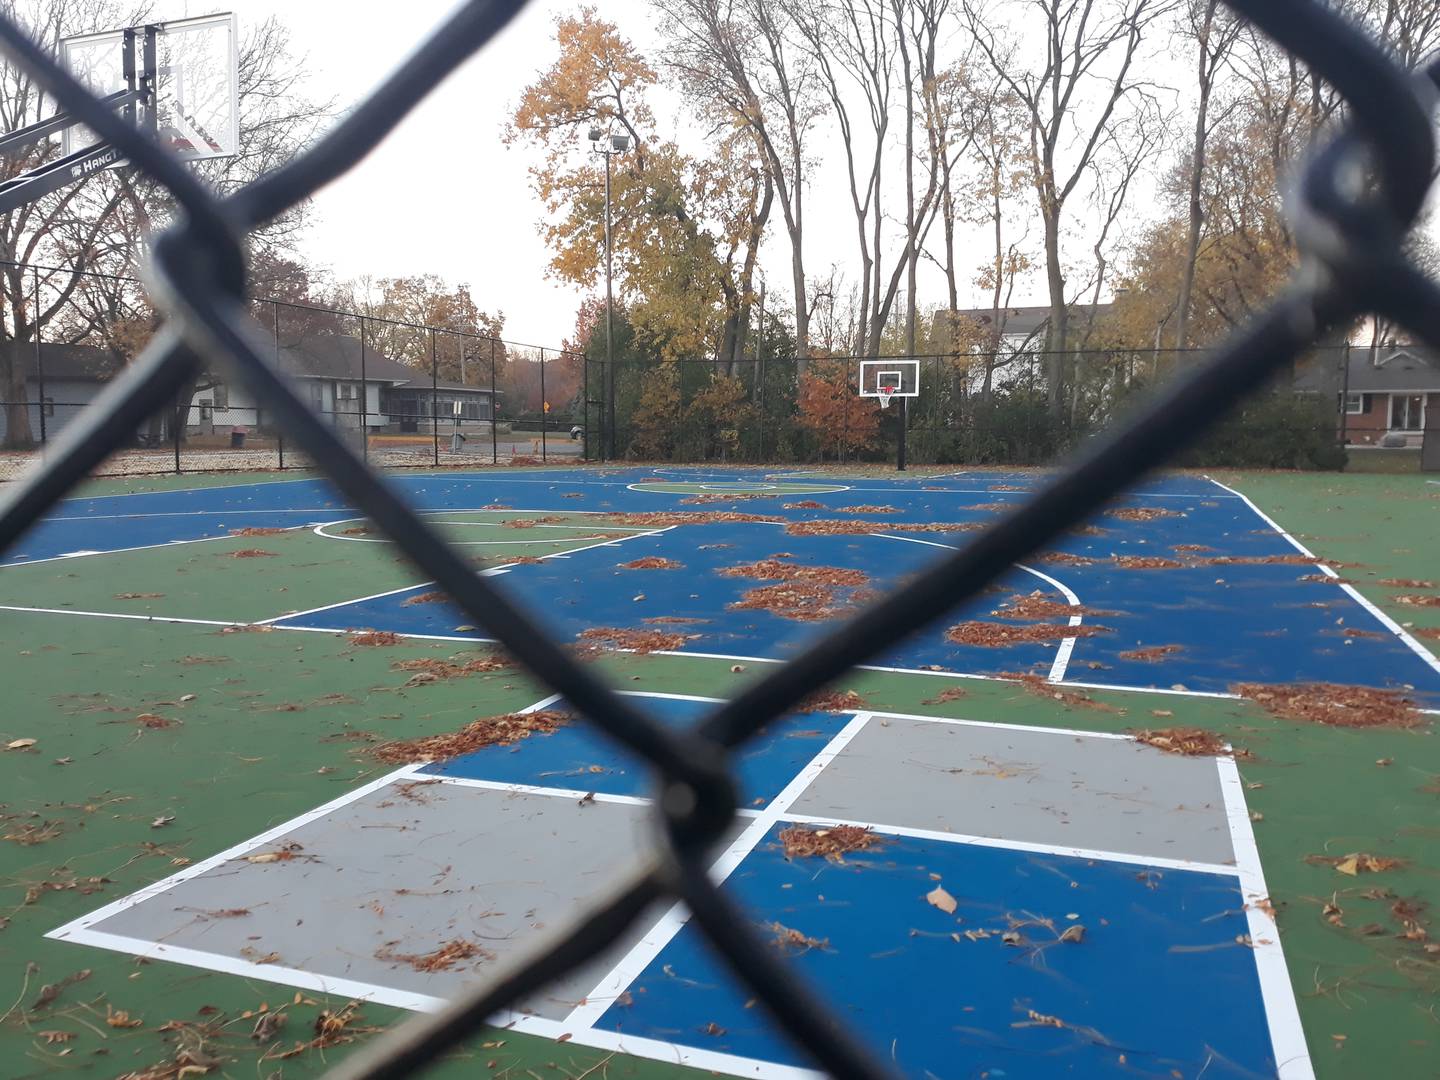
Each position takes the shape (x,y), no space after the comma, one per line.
(1385,620)
(230,854)
(1067,645)
(633,964)
(1282,1014)
(1126,858)
(143,547)
(413,1001)
(469,640)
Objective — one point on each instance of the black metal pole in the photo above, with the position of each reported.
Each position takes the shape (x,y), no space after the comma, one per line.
(544,410)
(904,424)
(494,407)
(608,446)
(39,355)
(279,431)
(434,406)
(585,425)
(1345,395)
(364,396)
(175,429)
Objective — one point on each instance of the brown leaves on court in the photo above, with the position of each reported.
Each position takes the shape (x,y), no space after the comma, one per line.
(832,701)
(867,510)
(774,569)
(376,638)
(1151,653)
(952,693)
(1043,687)
(1064,558)
(1189,741)
(1357,862)
(636,641)
(426,598)
(442,958)
(1035,606)
(843,527)
(998,635)
(653,562)
(1146,562)
(795,600)
(659,519)
(789,940)
(257,530)
(1417,600)
(1334,705)
(1406,583)
(1142,513)
(252,553)
(833,843)
(505,730)
(805,504)
(453,668)
(530,523)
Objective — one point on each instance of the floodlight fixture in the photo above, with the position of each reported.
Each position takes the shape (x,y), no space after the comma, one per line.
(620,143)
(595,134)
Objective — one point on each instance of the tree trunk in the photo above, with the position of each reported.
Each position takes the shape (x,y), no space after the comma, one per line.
(1055,333)
(1197,173)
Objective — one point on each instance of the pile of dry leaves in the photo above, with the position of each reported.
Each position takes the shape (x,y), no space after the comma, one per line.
(1189,741)
(834,843)
(998,636)
(653,562)
(505,730)
(1152,653)
(453,668)
(1334,705)
(637,641)
(1142,513)
(376,637)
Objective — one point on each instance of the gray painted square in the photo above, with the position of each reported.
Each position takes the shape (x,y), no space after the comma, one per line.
(403,870)
(1032,786)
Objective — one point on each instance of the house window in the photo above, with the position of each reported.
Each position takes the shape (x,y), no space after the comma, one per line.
(206,410)
(47,406)
(1407,412)
(1355,404)
(317,396)
(347,391)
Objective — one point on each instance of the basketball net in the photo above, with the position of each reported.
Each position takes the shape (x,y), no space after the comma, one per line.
(884,395)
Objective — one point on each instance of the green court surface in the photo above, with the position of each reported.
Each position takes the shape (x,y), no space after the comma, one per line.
(161,743)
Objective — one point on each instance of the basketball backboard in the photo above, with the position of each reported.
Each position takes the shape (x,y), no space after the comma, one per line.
(197,81)
(889,378)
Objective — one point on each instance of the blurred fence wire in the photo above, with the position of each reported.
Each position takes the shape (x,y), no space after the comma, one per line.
(1350,234)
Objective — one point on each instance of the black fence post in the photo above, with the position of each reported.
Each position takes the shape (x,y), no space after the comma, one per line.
(39,357)
(434,401)
(494,407)
(279,431)
(175,430)
(544,411)
(364,399)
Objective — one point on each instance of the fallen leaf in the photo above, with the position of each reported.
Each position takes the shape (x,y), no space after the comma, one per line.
(1073,934)
(938,897)
(162,821)
(53,1037)
(20,744)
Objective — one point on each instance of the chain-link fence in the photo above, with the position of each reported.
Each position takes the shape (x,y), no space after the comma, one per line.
(983,408)
(1360,195)
(401,394)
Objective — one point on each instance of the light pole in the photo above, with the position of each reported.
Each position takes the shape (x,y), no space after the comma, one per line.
(618,144)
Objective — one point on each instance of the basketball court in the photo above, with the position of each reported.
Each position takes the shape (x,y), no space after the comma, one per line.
(1031,897)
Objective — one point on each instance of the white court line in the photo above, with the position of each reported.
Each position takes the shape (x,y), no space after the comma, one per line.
(527,789)
(633,963)
(138,547)
(1287,1035)
(1385,620)
(1004,844)
(1067,645)
(118,615)
(491,572)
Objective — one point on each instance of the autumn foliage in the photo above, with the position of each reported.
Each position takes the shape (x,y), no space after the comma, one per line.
(831,409)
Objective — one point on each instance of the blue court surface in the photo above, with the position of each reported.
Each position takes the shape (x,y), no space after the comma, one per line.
(1188,584)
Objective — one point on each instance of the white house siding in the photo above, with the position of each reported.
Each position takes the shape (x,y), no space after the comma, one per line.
(69,398)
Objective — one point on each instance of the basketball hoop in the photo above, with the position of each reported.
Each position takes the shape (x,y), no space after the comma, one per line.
(884,393)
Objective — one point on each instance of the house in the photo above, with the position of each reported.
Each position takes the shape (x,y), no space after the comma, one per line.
(59,382)
(352,387)
(1020,327)
(1385,393)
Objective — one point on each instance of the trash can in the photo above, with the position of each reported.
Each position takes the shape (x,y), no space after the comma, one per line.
(237,438)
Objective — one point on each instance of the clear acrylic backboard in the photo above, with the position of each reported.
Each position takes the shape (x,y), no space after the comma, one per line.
(197,93)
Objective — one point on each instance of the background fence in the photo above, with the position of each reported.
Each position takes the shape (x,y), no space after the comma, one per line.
(403,394)
(761,410)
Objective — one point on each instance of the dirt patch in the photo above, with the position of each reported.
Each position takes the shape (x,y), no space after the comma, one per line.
(505,730)
(1042,687)
(443,958)
(867,510)
(653,562)
(426,598)
(831,701)
(1151,653)
(1143,513)
(636,641)
(530,523)
(376,638)
(1417,600)
(998,636)
(252,553)
(797,600)
(453,668)
(1146,562)
(1190,741)
(1406,583)
(773,569)
(834,843)
(257,530)
(1334,705)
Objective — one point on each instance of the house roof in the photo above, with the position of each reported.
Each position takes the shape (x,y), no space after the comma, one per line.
(75,363)
(338,356)
(1393,368)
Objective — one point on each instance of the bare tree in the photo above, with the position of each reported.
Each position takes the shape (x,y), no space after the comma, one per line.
(735,64)
(1073,98)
